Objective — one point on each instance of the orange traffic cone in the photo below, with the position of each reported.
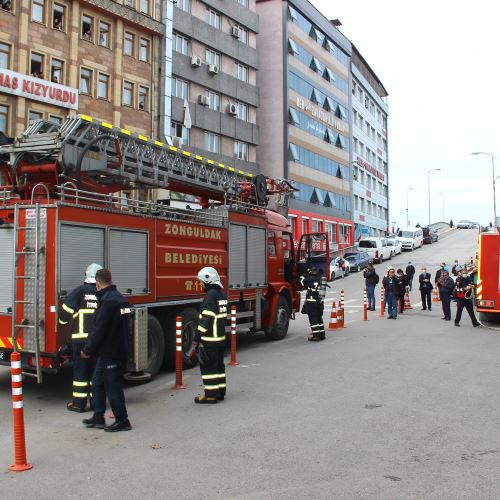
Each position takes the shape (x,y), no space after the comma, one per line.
(435,295)
(407,304)
(333,325)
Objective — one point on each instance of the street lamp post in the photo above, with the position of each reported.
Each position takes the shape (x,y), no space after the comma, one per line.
(442,199)
(429,188)
(494,182)
(407,218)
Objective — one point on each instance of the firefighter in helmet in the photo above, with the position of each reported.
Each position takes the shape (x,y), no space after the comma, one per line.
(210,338)
(313,304)
(79,307)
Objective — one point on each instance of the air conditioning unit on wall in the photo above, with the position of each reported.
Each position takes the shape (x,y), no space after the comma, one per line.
(213,69)
(235,31)
(195,61)
(177,141)
(203,100)
(232,109)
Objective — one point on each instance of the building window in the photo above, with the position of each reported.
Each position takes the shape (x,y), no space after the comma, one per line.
(243,2)
(181,44)
(180,88)
(243,34)
(144,49)
(143,99)
(59,17)
(212,142)
(104,33)
(38,11)
(86,76)
(4,56)
(183,5)
(241,150)
(213,18)
(6,5)
(128,43)
(178,130)
(212,57)
(36,66)
(34,115)
(305,225)
(87,28)
(55,119)
(57,71)
(103,86)
(145,7)
(293,48)
(4,118)
(213,100)
(128,93)
(242,112)
(241,72)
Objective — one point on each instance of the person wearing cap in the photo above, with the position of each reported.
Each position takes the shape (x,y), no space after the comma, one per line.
(425,287)
(392,288)
(456,269)
(78,309)
(446,286)
(410,273)
(313,304)
(210,338)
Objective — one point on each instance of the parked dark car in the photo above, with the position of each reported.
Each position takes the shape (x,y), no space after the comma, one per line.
(358,260)
(430,236)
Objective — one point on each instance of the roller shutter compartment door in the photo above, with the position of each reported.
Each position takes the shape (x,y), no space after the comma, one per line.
(128,260)
(79,247)
(256,256)
(237,256)
(6,267)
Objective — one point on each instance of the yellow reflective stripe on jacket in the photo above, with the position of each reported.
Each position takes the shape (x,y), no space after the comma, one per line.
(207,312)
(79,335)
(202,329)
(61,322)
(213,339)
(68,309)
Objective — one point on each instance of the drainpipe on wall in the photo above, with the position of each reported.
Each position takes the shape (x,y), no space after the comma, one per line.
(167,17)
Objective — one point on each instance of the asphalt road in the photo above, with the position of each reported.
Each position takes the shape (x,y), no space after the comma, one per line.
(381,409)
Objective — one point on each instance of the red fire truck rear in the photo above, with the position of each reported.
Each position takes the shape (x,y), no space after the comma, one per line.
(488,279)
(63,206)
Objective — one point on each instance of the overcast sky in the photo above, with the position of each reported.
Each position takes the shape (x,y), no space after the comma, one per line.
(440,63)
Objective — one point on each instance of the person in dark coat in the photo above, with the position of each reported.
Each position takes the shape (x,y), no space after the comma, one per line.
(371,281)
(410,273)
(425,287)
(392,287)
(403,280)
(445,286)
(464,288)
(438,273)
(108,345)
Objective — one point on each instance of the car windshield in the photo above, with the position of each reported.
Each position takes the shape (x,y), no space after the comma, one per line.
(351,255)
(405,234)
(351,258)
(367,244)
(390,242)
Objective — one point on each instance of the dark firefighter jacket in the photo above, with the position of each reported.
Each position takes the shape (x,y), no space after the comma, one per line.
(110,326)
(79,306)
(461,283)
(213,315)
(313,299)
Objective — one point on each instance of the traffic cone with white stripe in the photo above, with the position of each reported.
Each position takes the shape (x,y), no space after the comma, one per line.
(435,295)
(20,464)
(407,304)
(333,325)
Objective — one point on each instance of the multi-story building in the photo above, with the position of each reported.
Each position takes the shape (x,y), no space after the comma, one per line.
(369,131)
(60,57)
(304,115)
(214,80)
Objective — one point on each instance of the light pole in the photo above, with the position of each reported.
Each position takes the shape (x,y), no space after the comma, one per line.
(442,198)
(494,182)
(429,188)
(407,218)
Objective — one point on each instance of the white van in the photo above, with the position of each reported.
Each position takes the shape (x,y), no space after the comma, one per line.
(411,238)
(378,248)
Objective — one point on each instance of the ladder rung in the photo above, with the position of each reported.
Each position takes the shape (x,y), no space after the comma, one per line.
(26,228)
(24,302)
(25,253)
(25,277)
(30,374)
(25,326)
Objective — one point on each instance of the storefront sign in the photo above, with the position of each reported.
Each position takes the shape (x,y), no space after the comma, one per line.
(370,169)
(38,89)
(322,115)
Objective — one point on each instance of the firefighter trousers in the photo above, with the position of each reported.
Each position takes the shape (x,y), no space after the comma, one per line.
(82,376)
(315,315)
(461,303)
(213,371)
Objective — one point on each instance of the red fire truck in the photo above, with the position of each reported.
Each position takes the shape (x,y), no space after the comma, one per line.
(488,279)
(62,207)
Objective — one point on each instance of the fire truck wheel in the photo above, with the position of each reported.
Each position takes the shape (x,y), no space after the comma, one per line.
(281,321)
(156,345)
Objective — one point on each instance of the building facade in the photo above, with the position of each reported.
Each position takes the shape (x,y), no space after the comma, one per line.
(369,150)
(99,58)
(214,80)
(304,117)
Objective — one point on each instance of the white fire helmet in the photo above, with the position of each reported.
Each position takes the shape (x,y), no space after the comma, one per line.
(209,276)
(91,272)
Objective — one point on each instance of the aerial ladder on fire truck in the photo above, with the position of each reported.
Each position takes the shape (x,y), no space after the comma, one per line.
(91,160)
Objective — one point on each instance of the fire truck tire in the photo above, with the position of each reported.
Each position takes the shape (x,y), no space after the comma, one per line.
(156,345)
(281,321)
(189,325)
